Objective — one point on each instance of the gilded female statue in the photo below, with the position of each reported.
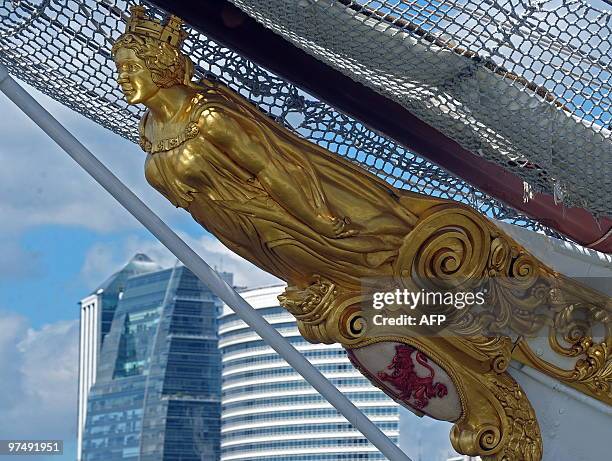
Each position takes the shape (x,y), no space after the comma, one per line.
(286,204)
(324,225)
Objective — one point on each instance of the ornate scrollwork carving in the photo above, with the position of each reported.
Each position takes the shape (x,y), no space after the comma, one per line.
(311,303)
(497,421)
(496,350)
(323,225)
(500,424)
(524,438)
(324,312)
(571,336)
(449,247)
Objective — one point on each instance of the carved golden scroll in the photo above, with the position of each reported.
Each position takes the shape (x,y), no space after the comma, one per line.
(324,226)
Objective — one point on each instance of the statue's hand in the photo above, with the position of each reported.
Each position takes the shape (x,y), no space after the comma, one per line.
(334,227)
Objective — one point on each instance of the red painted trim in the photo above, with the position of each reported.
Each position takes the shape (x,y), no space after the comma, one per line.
(223,22)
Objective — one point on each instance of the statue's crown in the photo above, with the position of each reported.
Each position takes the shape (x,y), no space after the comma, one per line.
(169,31)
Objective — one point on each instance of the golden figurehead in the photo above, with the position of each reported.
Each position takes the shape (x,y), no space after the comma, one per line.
(247,180)
(324,226)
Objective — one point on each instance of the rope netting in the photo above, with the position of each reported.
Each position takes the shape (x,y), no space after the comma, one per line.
(523,83)
(62,48)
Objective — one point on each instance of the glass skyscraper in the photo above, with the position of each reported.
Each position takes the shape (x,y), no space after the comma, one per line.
(97,312)
(156,395)
(271,413)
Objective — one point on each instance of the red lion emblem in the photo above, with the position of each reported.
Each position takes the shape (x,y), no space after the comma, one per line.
(404,377)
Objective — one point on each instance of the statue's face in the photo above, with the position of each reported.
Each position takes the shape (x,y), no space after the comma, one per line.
(134,77)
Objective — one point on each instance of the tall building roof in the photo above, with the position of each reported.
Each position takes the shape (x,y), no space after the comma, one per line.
(139,264)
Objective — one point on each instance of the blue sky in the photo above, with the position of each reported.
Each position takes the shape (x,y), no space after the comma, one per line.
(60,236)
(61,233)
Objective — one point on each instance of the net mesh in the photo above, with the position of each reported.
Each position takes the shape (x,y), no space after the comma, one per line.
(525,84)
(62,48)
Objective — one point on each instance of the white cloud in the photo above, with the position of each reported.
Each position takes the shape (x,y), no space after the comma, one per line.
(12,329)
(38,389)
(40,184)
(103,259)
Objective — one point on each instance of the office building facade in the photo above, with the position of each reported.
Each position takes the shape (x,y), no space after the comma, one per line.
(96,315)
(156,395)
(270,412)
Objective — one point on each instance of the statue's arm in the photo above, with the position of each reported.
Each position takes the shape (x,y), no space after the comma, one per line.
(242,142)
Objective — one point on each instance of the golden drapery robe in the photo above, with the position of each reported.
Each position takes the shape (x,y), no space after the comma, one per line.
(325,225)
(195,173)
